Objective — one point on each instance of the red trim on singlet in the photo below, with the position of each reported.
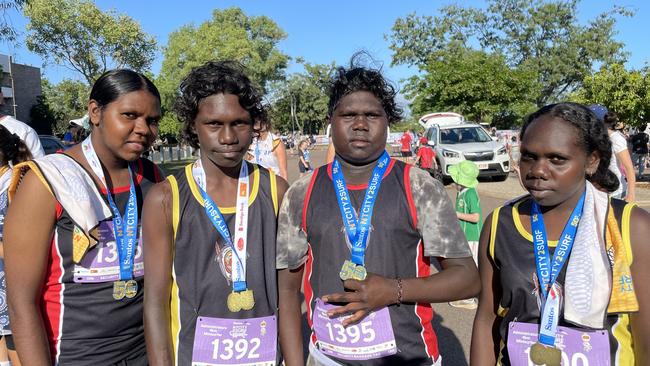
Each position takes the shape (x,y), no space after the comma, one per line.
(59,210)
(52,304)
(409,195)
(139,175)
(357,187)
(306,285)
(424,311)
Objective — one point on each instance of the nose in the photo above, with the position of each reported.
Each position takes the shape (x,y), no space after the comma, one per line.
(539,169)
(227,135)
(360,123)
(142,127)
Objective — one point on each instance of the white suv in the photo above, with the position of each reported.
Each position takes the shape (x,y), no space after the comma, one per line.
(468,141)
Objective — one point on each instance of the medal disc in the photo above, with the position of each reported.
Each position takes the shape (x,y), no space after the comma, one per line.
(359,273)
(346,270)
(247,300)
(131,289)
(234,302)
(119,290)
(545,355)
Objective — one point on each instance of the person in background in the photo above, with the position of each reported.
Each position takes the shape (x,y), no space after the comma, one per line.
(304,161)
(640,150)
(24,131)
(426,157)
(406,141)
(468,211)
(268,151)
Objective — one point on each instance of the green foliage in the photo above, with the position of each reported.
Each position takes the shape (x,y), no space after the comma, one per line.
(169,126)
(542,37)
(625,92)
(478,85)
(42,116)
(78,35)
(7,31)
(66,100)
(308,93)
(229,35)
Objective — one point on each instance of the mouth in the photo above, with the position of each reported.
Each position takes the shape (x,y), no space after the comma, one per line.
(136,146)
(230,153)
(359,142)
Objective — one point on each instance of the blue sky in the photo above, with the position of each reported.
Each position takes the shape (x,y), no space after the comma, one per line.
(325,31)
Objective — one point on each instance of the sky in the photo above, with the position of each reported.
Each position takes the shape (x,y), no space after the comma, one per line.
(324,31)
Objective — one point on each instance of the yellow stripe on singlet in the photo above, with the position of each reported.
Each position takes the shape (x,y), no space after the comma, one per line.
(493,231)
(224,210)
(522,230)
(19,172)
(625,228)
(274,191)
(174,307)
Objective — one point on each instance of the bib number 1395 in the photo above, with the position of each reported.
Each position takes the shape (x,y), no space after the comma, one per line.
(353,333)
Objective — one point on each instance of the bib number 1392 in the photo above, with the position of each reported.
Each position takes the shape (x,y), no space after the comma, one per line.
(226,349)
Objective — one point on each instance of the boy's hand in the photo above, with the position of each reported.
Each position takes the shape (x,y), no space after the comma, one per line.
(372,293)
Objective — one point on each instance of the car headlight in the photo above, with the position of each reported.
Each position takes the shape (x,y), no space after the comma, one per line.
(502,151)
(450,154)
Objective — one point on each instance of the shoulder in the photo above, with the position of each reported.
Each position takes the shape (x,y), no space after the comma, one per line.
(298,189)
(618,139)
(422,183)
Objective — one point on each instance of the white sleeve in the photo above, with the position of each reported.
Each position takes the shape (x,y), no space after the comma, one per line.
(618,143)
(34,144)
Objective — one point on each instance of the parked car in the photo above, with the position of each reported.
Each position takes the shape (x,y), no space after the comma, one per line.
(455,140)
(51,144)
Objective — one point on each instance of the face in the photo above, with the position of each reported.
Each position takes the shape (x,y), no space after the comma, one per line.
(128,125)
(553,166)
(359,127)
(224,129)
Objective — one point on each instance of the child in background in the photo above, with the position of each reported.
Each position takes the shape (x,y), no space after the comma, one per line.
(304,162)
(468,211)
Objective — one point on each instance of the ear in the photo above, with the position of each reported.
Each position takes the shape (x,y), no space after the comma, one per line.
(593,160)
(94,112)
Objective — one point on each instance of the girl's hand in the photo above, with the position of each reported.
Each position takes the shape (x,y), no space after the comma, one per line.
(364,296)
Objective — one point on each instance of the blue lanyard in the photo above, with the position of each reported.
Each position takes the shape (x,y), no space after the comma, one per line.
(357,228)
(547,273)
(219,223)
(124,228)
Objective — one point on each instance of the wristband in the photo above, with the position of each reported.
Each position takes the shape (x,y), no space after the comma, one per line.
(400,291)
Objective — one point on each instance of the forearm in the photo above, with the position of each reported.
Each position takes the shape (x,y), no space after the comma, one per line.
(290,327)
(157,333)
(472,217)
(29,333)
(482,350)
(452,283)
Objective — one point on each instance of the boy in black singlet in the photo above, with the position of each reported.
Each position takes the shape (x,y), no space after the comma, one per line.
(361,232)
(209,233)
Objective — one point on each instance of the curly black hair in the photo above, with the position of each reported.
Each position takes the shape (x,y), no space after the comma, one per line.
(215,77)
(362,78)
(592,136)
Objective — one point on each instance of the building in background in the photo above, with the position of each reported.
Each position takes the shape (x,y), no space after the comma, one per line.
(21,86)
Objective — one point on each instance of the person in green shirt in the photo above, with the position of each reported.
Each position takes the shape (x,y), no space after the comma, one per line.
(468,211)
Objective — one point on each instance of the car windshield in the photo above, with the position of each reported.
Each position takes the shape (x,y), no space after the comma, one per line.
(463,135)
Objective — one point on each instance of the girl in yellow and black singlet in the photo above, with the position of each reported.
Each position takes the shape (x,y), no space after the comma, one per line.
(209,234)
(597,313)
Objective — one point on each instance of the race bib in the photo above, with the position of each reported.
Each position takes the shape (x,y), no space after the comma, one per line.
(368,339)
(240,342)
(579,347)
(102,263)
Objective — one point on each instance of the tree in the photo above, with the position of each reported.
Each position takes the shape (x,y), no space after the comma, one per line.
(300,102)
(229,35)
(479,85)
(7,31)
(625,92)
(541,36)
(66,100)
(78,35)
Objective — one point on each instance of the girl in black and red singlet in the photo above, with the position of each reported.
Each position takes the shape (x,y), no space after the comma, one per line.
(72,236)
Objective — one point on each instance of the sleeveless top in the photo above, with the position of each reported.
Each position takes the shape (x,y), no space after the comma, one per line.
(260,152)
(199,286)
(84,324)
(394,249)
(5,177)
(511,250)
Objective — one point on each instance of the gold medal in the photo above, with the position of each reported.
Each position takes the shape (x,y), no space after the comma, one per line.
(119,290)
(359,273)
(130,289)
(346,270)
(234,302)
(247,301)
(545,355)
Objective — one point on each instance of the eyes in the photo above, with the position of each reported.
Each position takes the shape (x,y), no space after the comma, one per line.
(554,159)
(350,116)
(132,116)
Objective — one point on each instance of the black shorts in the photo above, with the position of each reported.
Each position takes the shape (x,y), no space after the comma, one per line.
(9,341)
(407,154)
(304,169)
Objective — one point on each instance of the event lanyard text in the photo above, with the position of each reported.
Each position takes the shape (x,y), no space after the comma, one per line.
(125,228)
(357,228)
(238,263)
(548,272)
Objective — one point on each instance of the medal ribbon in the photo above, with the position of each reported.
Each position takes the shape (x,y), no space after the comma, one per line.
(125,228)
(238,260)
(357,228)
(546,272)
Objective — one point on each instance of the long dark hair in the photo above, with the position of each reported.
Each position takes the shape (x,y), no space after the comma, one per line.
(115,83)
(592,137)
(12,149)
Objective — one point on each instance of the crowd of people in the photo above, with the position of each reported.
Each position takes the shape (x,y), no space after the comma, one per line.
(232,254)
